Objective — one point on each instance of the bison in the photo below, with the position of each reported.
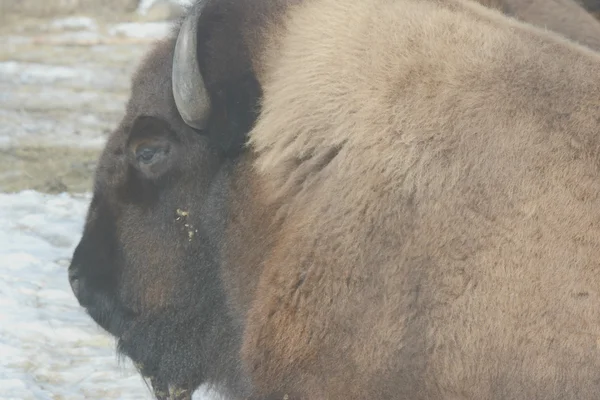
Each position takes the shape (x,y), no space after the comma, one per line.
(333,199)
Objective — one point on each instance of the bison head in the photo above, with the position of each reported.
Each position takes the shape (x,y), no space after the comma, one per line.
(147,266)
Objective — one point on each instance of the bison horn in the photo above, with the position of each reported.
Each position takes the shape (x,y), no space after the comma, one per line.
(191,96)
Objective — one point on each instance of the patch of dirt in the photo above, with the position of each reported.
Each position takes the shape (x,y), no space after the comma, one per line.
(47,169)
(52,8)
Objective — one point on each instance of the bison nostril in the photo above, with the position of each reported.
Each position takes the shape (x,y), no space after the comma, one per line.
(75,282)
(75,286)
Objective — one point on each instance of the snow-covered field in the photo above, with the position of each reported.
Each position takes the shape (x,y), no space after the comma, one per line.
(62,87)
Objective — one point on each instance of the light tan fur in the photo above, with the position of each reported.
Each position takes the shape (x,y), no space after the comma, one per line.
(440,238)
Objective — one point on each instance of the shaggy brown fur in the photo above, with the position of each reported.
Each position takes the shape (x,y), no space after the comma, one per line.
(440,232)
(414,218)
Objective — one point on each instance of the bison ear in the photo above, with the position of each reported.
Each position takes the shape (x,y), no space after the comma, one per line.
(235,110)
(151,146)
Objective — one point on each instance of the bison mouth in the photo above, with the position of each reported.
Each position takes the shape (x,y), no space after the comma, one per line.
(108,314)
(96,293)
(159,345)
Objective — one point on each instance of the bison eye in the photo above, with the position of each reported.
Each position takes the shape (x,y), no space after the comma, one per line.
(147,155)
(152,146)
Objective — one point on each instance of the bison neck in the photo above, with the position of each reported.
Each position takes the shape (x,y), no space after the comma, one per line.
(249,232)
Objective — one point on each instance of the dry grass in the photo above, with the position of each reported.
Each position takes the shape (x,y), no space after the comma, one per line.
(47,169)
(50,8)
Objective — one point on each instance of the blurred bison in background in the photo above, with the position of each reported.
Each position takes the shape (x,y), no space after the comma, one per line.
(414,216)
(592,6)
(564,16)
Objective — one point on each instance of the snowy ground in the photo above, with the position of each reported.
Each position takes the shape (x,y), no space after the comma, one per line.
(63,86)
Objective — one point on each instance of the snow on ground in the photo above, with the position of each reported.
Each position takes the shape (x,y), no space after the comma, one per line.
(145,5)
(155,30)
(74,23)
(49,347)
